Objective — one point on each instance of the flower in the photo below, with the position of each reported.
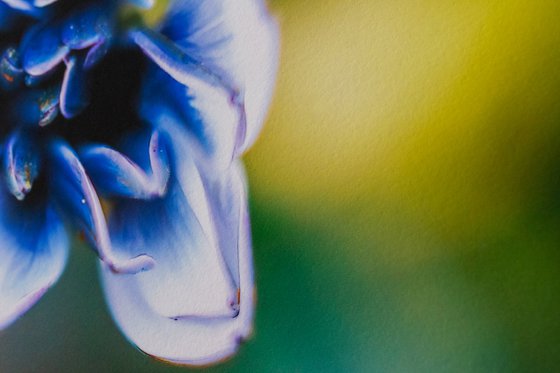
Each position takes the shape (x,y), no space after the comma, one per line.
(132,135)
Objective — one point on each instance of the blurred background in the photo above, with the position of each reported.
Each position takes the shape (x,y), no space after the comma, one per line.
(405,202)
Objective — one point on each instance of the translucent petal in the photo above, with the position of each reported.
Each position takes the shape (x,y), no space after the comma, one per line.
(191,277)
(227,201)
(34,251)
(193,339)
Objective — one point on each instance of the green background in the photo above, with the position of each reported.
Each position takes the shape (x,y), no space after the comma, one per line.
(404,195)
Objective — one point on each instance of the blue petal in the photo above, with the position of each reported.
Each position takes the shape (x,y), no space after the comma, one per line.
(174,61)
(37,107)
(73,191)
(73,94)
(34,251)
(11,72)
(21,163)
(114,174)
(42,49)
(214,122)
(189,309)
(86,27)
(238,40)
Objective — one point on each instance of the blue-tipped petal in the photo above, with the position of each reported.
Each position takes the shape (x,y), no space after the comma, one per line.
(176,311)
(114,174)
(34,251)
(42,49)
(86,27)
(72,190)
(22,161)
(215,123)
(11,72)
(236,39)
(36,107)
(189,263)
(73,94)
(174,61)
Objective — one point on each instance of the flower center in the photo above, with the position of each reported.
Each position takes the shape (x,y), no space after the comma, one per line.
(60,77)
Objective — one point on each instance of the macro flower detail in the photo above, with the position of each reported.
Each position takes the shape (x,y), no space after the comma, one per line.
(131,134)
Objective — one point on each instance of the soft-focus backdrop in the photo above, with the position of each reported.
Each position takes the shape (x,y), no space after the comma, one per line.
(405,202)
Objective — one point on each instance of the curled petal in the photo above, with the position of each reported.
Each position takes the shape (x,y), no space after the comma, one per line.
(196,306)
(72,190)
(114,174)
(174,61)
(34,251)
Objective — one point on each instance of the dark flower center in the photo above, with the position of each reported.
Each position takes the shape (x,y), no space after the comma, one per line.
(69,74)
(113,85)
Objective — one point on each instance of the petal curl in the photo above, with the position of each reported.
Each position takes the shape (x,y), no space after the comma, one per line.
(71,188)
(190,309)
(34,251)
(114,174)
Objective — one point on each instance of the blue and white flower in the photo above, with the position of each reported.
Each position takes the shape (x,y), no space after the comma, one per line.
(132,135)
